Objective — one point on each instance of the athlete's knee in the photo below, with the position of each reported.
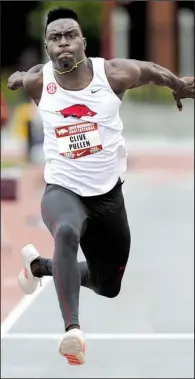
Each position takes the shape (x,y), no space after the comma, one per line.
(68,233)
(109,292)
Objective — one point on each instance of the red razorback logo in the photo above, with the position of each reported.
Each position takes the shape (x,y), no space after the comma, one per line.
(78,111)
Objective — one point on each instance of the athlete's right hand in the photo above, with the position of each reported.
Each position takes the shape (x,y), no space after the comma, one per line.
(15,80)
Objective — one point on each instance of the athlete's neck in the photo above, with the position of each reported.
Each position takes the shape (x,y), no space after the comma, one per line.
(76,78)
(71,68)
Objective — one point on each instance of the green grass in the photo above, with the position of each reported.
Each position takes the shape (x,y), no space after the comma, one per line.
(13,164)
(151,94)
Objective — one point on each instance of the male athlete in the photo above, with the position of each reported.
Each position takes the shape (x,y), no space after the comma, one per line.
(79,99)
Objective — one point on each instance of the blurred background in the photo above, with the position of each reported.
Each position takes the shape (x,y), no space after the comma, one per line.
(159,182)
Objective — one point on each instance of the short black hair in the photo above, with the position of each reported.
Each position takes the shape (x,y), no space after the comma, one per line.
(57,13)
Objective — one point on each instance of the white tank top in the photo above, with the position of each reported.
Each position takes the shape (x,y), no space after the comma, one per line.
(83,144)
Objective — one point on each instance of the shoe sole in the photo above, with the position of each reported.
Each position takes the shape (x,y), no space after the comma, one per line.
(73,349)
(25,260)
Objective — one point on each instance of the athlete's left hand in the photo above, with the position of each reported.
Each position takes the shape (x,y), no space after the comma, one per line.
(15,81)
(186,93)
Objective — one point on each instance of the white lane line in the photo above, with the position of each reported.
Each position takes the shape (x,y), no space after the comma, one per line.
(103,336)
(21,308)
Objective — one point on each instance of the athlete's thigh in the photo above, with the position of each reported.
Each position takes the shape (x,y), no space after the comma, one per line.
(106,243)
(61,207)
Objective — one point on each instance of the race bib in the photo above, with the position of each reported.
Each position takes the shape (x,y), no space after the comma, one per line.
(76,141)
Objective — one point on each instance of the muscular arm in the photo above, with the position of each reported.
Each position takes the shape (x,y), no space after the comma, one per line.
(16,80)
(126,74)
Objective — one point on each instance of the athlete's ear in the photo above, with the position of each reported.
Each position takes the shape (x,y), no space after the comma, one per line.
(85,43)
(46,48)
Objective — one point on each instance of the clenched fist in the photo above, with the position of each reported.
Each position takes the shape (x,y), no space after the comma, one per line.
(187,92)
(15,80)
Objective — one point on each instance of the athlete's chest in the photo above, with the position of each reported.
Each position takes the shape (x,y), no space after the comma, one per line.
(97,104)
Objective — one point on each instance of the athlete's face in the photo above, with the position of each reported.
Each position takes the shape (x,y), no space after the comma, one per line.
(65,43)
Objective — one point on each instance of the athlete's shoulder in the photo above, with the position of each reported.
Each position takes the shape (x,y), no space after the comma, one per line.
(33,79)
(121,73)
(36,69)
(114,74)
(121,65)
(35,73)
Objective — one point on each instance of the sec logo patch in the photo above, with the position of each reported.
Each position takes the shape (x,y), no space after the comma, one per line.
(51,88)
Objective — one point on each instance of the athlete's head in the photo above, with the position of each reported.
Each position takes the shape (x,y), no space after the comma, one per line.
(64,39)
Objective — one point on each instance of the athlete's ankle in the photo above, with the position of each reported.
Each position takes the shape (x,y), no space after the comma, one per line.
(40,267)
(36,268)
(73,326)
